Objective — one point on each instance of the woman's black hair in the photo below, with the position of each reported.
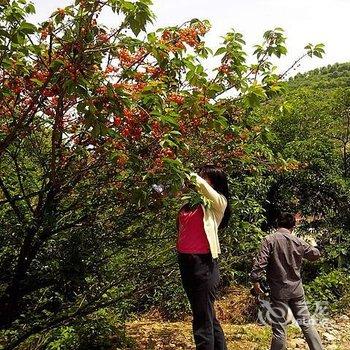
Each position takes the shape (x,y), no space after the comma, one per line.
(219,182)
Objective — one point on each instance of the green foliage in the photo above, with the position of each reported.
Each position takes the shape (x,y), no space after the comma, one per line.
(331,289)
(167,298)
(99,331)
(314,131)
(328,77)
(91,119)
(315,50)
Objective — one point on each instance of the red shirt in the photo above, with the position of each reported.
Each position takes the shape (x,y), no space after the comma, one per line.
(192,238)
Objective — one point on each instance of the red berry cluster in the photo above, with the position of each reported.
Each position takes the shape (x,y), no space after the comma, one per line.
(224,69)
(158,163)
(156,129)
(183,128)
(176,98)
(103,38)
(44,32)
(61,12)
(41,75)
(229,137)
(50,92)
(189,36)
(128,59)
(176,39)
(154,72)
(111,69)
(131,123)
(15,85)
(168,153)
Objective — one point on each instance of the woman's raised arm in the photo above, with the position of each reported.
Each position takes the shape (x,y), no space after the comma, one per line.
(218,201)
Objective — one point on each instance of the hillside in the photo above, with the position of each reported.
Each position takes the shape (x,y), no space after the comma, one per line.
(328,77)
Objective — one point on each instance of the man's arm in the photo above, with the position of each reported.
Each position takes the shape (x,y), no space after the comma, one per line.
(260,264)
(311,253)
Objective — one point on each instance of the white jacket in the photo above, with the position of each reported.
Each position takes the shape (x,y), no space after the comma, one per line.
(213,214)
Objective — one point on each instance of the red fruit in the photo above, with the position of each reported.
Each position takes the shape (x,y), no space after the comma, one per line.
(158,162)
(17,90)
(196,122)
(225,69)
(182,127)
(44,34)
(40,75)
(101,90)
(229,137)
(128,114)
(117,121)
(137,133)
(126,132)
(168,153)
(61,13)
(48,93)
(122,160)
(156,129)
(110,69)
(103,37)
(176,98)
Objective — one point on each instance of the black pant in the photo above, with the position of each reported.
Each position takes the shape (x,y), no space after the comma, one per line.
(200,279)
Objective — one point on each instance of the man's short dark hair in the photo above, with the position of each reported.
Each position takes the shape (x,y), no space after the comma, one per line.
(286,220)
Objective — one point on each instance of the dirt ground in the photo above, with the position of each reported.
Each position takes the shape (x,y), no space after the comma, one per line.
(237,312)
(150,335)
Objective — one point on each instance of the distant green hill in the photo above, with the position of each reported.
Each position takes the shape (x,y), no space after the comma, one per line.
(328,77)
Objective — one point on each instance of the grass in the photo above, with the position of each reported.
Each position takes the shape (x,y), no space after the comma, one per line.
(151,335)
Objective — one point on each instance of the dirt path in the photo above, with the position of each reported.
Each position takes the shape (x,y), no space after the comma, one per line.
(151,332)
(151,335)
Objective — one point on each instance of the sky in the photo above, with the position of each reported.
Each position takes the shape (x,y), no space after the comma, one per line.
(304,21)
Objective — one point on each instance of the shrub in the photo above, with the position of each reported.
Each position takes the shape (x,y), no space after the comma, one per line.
(332,289)
(100,331)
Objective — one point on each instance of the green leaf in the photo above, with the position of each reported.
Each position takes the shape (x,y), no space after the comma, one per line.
(152,38)
(55,65)
(37,81)
(220,51)
(27,28)
(169,119)
(30,9)
(128,6)
(4,33)
(18,38)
